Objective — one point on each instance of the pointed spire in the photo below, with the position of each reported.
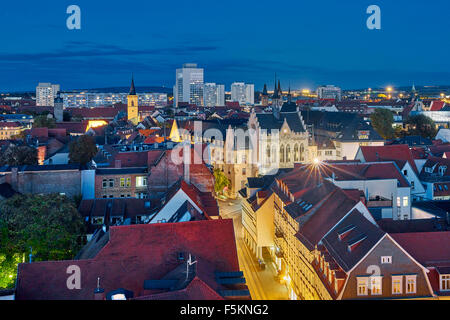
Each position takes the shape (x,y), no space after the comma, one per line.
(265,90)
(279,88)
(275,91)
(132,89)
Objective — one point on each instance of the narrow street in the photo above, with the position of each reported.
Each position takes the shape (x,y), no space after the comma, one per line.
(261,283)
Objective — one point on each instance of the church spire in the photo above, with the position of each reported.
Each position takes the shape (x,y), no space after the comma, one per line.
(265,90)
(132,89)
(275,91)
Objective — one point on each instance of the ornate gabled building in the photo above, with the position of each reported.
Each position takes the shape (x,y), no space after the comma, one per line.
(282,136)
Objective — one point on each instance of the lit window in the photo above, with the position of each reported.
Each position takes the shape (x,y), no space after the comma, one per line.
(445,282)
(397,284)
(411,284)
(398,202)
(376,285)
(405,201)
(386,259)
(128,182)
(362,286)
(141,181)
(122,182)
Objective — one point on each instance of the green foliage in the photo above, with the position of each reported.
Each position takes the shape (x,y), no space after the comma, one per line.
(44,122)
(221,181)
(18,156)
(82,150)
(67,116)
(49,224)
(382,120)
(421,125)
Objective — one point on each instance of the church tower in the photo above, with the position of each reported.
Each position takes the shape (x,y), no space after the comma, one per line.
(265,97)
(277,99)
(132,110)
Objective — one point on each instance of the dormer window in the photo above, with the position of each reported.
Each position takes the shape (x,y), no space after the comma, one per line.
(442,170)
(355,242)
(345,232)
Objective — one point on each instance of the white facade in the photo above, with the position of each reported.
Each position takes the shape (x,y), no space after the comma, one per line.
(189,85)
(243,93)
(213,95)
(98,99)
(398,204)
(46,94)
(329,92)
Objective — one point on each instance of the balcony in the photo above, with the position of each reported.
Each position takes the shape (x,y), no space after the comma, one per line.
(378,202)
(279,234)
(279,254)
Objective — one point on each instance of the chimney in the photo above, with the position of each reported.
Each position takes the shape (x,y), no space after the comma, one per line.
(186,170)
(15,178)
(99,293)
(117,164)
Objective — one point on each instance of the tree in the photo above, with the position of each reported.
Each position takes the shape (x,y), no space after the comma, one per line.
(382,120)
(44,122)
(82,150)
(66,116)
(421,125)
(18,156)
(221,181)
(49,225)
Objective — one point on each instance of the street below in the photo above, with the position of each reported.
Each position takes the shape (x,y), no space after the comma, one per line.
(262,284)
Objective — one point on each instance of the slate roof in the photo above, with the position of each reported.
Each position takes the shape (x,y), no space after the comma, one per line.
(338,247)
(344,126)
(269,122)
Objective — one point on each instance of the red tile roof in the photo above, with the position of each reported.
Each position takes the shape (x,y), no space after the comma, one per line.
(196,290)
(437,105)
(132,255)
(365,171)
(431,249)
(10,125)
(387,153)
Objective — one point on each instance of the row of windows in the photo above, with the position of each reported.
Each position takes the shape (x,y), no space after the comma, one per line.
(124,182)
(405,201)
(373,285)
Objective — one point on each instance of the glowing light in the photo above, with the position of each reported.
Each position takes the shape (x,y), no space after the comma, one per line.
(316,161)
(96,124)
(389,89)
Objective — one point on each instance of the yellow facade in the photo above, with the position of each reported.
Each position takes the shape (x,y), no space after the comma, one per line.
(132,109)
(7,132)
(294,260)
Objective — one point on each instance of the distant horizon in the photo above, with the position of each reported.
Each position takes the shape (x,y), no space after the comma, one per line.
(402,87)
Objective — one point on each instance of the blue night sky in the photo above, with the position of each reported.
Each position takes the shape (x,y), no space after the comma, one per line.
(307,43)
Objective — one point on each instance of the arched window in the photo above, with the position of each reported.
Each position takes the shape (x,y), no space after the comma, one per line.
(282,153)
(302,152)
(268,153)
(274,154)
(296,157)
(288,153)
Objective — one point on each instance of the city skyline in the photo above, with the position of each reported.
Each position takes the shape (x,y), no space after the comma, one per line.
(308,45)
